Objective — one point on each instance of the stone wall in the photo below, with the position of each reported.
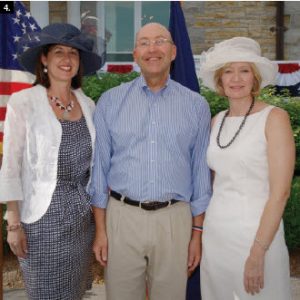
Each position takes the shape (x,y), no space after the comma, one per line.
(292,35)
(58,11)
(213,21)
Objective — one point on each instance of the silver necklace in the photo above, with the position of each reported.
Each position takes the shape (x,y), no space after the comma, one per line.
(67,109)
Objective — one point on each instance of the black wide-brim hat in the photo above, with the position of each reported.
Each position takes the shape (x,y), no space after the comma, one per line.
(31,44)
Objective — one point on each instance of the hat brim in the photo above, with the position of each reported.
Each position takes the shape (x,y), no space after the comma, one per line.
(91,62)
(266,68)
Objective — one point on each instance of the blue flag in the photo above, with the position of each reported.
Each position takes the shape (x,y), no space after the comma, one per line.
(183,67)
(183,71)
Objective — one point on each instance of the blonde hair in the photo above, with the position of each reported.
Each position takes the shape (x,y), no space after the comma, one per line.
(256,85)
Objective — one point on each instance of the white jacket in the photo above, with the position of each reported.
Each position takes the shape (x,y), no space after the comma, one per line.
(32,136)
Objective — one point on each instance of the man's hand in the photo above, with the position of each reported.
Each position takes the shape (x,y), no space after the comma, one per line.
(194,253)
(100,244)
(100,247)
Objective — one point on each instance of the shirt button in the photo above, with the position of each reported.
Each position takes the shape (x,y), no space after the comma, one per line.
(152,142)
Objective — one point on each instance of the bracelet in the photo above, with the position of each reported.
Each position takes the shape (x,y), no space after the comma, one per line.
(14,227)
(197,228)
(262,245)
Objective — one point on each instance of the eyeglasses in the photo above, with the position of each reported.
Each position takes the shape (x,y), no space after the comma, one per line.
(145,43)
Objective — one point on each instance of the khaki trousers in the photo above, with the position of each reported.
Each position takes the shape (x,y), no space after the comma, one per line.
(147,246)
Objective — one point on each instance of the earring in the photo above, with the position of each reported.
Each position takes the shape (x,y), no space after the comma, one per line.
(45,70)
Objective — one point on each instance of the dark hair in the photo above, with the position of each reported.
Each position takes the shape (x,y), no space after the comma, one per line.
(42,77)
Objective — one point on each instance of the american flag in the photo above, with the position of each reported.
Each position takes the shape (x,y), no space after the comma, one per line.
(12,78)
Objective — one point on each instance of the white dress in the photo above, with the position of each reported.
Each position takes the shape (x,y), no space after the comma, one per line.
(240,192)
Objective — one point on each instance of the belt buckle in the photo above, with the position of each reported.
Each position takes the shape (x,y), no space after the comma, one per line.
(144,202)
(154,205)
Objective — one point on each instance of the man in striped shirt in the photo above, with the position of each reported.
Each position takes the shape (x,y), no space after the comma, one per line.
(150,183)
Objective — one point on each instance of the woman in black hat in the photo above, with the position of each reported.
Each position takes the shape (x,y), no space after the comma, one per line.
(48,150)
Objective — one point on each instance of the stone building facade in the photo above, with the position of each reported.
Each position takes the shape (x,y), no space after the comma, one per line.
(213,21)
(292,36)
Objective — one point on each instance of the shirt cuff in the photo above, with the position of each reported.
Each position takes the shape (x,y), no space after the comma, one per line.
(200,205)
(99,201)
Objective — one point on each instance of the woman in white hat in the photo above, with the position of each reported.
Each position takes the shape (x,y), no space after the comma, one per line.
(48,148)
(252,156)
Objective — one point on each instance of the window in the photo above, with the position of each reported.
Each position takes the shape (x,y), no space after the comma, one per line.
(118,21)
(158,12)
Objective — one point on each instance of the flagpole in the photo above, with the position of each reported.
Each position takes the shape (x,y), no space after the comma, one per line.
(1,256)
(1,245)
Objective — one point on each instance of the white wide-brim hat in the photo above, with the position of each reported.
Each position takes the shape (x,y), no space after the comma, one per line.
(237,49)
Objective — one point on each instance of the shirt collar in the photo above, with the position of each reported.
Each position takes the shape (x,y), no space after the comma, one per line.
(163,91)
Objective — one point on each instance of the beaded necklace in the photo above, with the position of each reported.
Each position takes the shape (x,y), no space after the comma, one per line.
(67,109)
(237,132)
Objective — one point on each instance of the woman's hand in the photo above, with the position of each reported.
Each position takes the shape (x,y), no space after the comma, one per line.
(16,236)
(17,242)
(254,270)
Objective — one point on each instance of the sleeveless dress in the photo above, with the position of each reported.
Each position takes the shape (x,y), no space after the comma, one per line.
(58,266)
(240,192)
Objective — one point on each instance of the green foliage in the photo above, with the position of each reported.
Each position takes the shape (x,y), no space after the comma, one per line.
(291,216)
(292,106)
(216,103)
(94,86)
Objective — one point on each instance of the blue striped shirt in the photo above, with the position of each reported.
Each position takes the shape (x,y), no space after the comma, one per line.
(152,146)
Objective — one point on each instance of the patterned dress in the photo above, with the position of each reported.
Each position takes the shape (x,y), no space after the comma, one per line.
(58,266)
